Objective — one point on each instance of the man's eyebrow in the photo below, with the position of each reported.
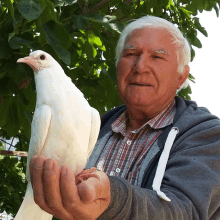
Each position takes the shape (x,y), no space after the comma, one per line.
(128,46)
(161,50)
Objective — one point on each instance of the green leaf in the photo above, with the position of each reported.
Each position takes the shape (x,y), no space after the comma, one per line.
(2,74)
(3,111)
(101,19)
(197,42)
(17,21)
(5,50)
(59,39)
(93,39)
(191,78)
(208,5)
(12,116)
(194,6)
(89,50)
(15,43)
(200,6)
(199,27)
(5,86)
(71,2)
(88,82)
(32,9)
(184,93)
(65,56)
(81,22)
(18,42)
(216,10)
(192,54)
(48,13)
(9,5)
(12,186)
(28,116)
(23,99)
(56,33)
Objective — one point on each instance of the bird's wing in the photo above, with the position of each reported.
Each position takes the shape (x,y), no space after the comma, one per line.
(94,132)
(39,130)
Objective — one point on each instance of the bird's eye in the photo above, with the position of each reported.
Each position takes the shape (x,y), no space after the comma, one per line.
(42,57)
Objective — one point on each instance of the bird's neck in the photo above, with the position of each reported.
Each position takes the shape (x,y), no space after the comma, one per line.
(46,86)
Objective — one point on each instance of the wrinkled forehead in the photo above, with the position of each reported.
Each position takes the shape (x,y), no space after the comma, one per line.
(164,36)
(159,50)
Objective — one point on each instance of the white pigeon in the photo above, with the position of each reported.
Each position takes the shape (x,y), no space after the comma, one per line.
(64,127)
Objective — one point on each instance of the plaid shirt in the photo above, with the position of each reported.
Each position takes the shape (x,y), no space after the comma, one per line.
(124,152)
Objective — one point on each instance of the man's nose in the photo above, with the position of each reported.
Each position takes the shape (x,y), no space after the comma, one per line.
(142,64)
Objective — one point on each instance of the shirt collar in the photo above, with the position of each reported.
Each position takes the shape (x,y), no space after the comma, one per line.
(163,119)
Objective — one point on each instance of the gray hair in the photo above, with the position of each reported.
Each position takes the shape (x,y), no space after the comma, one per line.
(182,45)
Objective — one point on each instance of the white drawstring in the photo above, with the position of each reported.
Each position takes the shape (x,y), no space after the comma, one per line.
(163,162)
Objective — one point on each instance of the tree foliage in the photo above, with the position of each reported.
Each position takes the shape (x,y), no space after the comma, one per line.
(81,35)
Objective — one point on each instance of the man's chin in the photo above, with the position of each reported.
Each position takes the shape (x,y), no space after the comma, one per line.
(139,103)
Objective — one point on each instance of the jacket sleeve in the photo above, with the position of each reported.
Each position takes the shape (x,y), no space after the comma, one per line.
(191,181)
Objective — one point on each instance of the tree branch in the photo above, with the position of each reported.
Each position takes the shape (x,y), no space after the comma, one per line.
(80,6)
(95,8)
(14,153)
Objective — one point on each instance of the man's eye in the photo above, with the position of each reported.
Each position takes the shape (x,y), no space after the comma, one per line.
(129,54)
(157,57)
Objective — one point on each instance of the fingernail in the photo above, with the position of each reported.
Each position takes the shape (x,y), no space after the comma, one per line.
(49,165)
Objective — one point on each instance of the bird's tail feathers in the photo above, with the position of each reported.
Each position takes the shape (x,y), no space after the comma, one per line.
(29,210)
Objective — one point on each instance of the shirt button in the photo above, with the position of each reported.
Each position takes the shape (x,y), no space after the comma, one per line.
(128,142)
(117,170)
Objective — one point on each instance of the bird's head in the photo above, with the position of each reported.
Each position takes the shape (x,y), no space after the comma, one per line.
(38,60)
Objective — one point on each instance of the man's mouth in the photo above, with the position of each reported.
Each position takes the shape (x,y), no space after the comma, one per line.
(140,84)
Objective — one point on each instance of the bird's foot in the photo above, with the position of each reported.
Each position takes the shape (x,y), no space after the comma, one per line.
(86,174)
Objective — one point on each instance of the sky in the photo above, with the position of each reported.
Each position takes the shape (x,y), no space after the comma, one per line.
(205,66)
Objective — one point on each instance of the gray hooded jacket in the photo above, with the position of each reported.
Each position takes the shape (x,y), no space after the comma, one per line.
(191,179)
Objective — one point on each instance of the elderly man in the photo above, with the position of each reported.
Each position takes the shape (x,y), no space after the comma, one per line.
(159,154)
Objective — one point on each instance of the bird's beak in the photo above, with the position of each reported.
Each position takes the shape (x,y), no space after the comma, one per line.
(28,60)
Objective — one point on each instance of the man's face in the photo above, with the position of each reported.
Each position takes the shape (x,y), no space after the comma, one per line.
(147,69)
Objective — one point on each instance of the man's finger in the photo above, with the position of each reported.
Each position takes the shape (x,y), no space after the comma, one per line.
(31,167)
(51,187)
(93,188)
(71,199)
(37,184)
(68,188)
(87,191)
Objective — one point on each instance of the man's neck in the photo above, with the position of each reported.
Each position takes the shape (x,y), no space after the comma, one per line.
(138,116)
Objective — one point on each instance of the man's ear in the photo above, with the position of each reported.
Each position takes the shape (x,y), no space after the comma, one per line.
(183,76)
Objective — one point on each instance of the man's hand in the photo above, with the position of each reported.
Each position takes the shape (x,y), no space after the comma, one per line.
(56,193)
